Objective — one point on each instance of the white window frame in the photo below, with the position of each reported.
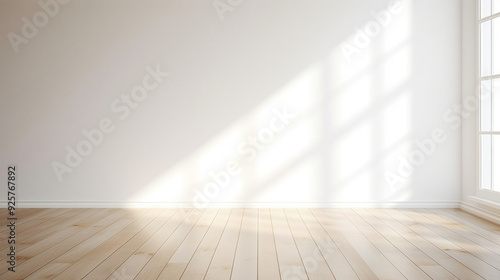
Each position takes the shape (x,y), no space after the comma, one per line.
(486,194)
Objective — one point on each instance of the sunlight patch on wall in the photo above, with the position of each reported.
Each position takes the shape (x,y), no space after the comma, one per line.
(347,120)
(289,148)
(395,70)
(396,120)
(352,150)
(251,151)
(351,103)
(299,183)
(371,113)
(397,32)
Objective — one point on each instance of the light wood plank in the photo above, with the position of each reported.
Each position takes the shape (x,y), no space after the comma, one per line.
(23,213)
(489,250)
(79,251)
(38,243)
(198,266)
(30,218)
(409,269)
(37,225)
(54,226)
(314,262)
(48,224)
(245,259)
(183,254)
(333,228)
(399,222)
(153,219)
(427,264)
(377,262)
(335,258)
(160,227)
(191,244)
(221,266)
(477,221)
(268,267)
(51,223)
(459,218)
(454,245)
(157,253)
(288,256)
(36,262)
(48,271)
(60,232)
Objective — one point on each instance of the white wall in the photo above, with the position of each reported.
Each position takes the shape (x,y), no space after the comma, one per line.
(469,161)
(355,120)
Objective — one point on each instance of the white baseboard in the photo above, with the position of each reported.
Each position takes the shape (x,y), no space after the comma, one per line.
(480,212)
(93,204)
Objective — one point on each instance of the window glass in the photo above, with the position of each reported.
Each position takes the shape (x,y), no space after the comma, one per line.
(496,6)
(485,8)
(495,111)
(496,163)
(486,105)
(496,46)
(486,161)
(486,48)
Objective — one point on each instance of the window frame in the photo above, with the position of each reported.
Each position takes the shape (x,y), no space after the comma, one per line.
(487,194)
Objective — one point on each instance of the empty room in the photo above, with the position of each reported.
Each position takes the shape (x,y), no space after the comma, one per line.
(250,140)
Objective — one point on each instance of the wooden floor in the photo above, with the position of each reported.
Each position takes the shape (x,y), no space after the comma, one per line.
(252,244)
